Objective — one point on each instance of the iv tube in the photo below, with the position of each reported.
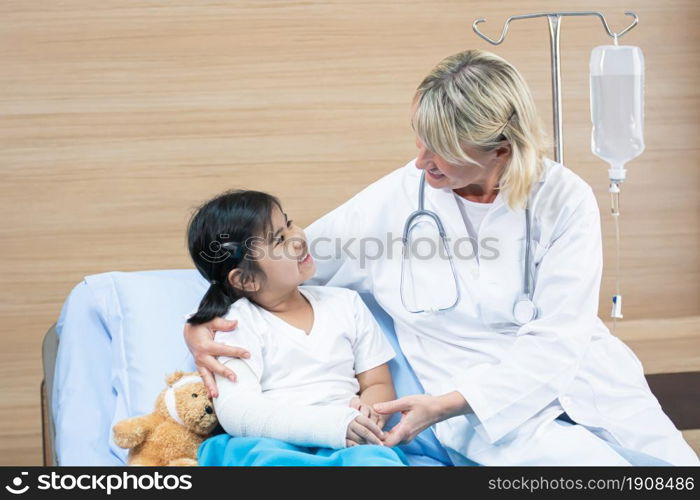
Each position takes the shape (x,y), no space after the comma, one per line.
(615,212)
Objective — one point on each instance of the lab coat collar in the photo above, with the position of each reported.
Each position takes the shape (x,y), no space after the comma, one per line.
(547,165)
(444,202)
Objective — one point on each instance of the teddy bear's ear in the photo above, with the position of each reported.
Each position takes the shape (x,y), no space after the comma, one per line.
(174,377)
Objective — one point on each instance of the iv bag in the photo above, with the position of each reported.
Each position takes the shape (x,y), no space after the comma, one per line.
(617,105)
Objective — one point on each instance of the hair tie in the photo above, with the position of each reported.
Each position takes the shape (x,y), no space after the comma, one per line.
(214,282)
(236,249)
(503,127)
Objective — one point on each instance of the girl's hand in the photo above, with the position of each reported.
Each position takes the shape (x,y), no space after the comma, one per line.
(200,341)
(362,430)
(418,412)
(368,411)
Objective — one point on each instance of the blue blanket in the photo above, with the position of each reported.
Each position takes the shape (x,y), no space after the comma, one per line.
(225,450)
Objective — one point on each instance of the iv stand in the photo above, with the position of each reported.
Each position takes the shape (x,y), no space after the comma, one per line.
(554,19)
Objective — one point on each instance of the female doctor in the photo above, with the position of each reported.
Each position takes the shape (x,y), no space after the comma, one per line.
(496,310)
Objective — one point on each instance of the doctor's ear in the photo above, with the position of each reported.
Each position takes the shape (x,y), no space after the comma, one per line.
(503,150)
(244,281)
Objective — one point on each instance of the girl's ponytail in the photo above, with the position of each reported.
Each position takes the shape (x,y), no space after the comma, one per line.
(215,303)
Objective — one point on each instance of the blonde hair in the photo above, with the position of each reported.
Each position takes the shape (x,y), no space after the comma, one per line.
(476,98)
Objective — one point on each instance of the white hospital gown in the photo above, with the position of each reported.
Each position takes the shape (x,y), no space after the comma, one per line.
(296,369)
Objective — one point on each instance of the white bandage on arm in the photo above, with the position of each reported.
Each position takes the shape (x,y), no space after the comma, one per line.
(244,411)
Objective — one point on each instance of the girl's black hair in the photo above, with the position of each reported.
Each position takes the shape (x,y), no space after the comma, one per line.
(219,237)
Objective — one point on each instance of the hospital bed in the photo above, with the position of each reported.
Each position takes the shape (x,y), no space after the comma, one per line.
(120,333)
(117,336)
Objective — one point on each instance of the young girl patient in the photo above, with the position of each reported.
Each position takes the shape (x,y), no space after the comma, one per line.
(317,358)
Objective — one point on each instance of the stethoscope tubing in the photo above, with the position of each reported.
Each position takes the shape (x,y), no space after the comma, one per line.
(524,307)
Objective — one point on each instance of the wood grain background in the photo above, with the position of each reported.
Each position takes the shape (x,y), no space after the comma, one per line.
(118,117)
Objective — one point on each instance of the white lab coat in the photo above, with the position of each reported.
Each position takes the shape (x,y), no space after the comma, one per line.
(517,379)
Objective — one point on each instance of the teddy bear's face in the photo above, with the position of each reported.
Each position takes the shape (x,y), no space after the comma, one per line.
(195,408)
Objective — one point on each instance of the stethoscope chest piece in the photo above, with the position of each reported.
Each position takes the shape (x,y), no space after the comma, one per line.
(524,311)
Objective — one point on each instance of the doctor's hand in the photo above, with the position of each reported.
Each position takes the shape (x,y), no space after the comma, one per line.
(200,341)
(418,412)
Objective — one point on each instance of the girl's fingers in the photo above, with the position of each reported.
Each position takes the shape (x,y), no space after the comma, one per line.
(365,410)
(352,434)
(368,430)
(361,434)
(350,442)
(371,426)
(369,437)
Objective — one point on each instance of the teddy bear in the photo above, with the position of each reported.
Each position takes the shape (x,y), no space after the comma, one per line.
(183,418)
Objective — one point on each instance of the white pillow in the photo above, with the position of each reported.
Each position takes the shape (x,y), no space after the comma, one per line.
(144,314)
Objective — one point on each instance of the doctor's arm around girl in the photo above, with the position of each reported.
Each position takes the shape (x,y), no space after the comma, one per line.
(316,360)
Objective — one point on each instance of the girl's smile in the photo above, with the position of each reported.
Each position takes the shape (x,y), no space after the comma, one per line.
(306,259)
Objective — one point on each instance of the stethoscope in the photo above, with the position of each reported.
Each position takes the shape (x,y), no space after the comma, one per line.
(524,310)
